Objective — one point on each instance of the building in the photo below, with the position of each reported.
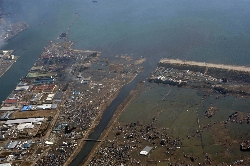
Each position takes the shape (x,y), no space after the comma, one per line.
(36,98)
(11,145)
(8,101)
(28,120)
(12,57)
(27,144)
(58,96)
(28,108)
(6,115)
(5,164)
(36,68)
(44,88)
(22,88)
(49,98)
(145,151)
(25,126)
(44,107)
(11,108)
(48,143)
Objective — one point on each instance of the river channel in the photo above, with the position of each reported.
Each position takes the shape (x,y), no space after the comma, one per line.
(110,110)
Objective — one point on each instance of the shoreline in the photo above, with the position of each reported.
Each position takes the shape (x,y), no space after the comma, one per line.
(203,64)
(26,26)
(14,61)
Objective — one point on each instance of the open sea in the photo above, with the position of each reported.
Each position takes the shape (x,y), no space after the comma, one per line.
(207,31)
(210,31)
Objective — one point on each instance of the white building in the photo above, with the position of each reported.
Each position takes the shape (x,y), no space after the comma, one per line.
(145,151)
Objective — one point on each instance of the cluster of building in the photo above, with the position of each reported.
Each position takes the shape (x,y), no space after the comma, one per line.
(239,117)
(29,97)
(58,158)
(16,150)
(22,100)
(132,143)
(82,104)
(112,155)
(28,110)
(6,55)
(58,102)
(6,60)
(9,30)
(18,144)
(174,76)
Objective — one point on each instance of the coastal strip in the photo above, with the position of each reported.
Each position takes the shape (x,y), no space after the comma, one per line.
(6,60)
(204,64)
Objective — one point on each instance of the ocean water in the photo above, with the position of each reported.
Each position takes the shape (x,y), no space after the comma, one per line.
(209,31)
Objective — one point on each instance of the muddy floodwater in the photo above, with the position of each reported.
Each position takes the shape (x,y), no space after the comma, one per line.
(182,112)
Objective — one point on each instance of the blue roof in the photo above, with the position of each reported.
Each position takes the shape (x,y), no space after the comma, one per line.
(26,145)
(26,108)
(64,124)
(58,128)
(54,106)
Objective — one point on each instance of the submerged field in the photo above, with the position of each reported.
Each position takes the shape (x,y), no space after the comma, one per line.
(180,112)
